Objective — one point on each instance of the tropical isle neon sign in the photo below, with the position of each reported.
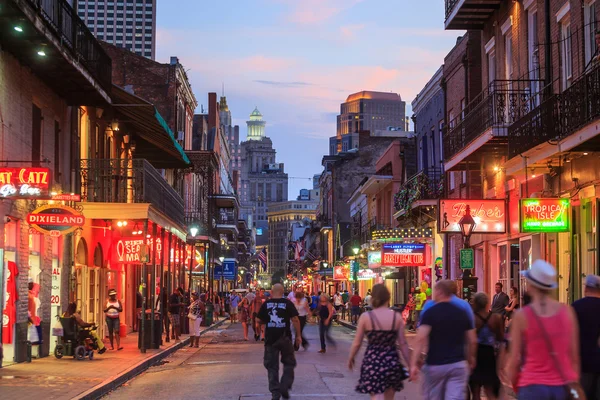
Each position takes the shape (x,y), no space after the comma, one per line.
(545,215)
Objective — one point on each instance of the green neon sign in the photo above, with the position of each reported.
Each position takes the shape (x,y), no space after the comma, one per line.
(545,215)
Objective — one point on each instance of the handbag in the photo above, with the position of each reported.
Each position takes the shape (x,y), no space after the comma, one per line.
(57,329)
(575,390)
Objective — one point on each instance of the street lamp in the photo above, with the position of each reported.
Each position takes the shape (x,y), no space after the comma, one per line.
(355,250)
(193,231)
(221,258)
(467,225)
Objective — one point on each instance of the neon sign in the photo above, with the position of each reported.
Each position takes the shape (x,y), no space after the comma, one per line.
(366,274)
(544,215)
(55,220)
(403,254)
(341,272)
(489,215)
(24,183)
(130,250)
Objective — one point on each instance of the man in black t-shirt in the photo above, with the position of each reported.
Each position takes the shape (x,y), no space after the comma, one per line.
(452,340)
(589,336)
(277,314)
(175,304)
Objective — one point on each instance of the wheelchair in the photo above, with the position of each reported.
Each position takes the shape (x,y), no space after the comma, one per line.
(75,342)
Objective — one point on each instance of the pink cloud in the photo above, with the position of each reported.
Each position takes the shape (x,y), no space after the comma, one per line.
(308,12)
(348,32)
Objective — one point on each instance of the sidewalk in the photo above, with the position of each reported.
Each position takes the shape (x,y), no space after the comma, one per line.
(48,378)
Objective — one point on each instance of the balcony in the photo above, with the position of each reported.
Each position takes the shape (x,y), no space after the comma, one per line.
(226,220)
(558,117)
(74,64)
(469,14)
(424,188)
(129,181)
(485,120)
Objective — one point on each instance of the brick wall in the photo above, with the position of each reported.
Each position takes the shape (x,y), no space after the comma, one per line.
(19,89)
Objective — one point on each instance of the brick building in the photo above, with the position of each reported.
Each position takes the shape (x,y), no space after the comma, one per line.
(530,133)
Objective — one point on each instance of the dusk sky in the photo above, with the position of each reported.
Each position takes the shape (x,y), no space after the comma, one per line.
(297,60)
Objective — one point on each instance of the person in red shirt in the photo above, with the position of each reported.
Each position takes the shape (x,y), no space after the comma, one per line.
(355,301)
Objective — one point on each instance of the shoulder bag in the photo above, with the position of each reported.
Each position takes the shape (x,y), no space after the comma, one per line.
(575,390)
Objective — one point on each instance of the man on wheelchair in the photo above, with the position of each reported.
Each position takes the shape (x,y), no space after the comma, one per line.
(93,333)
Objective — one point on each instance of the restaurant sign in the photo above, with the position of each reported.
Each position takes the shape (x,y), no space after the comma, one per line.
(403,254)
(341,272)
(544,215)
(24,183)
(135,250)
(366,274)
(55,220)
(489,215)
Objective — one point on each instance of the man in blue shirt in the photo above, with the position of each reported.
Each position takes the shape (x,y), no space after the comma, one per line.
(234,301)
(462,304)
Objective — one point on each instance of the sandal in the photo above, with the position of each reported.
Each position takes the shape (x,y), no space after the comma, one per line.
(120,348)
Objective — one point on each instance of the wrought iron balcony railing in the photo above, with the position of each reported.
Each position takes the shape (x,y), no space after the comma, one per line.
(76,36)
(498,106)
(425,185)
(129,181)
(558,116)
(226,216)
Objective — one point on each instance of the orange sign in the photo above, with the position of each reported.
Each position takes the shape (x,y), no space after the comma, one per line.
(341,272)
(489,215)
(24,183)
(55,220)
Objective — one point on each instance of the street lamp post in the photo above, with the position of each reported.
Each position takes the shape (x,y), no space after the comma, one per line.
(193,233)
(467,225)
(355,250)
(325,264)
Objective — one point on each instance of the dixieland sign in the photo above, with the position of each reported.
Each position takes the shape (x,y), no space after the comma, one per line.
(55,220)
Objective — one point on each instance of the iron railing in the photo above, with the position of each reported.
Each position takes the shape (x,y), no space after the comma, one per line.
(502,103)
(129,181)
(199,220)
(450,7)
(559,115)
(427,184)
(226,216)
(76,37)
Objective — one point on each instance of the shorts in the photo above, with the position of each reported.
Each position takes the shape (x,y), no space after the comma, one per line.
(233,310)
(113,325)
(175,319)
(355,310)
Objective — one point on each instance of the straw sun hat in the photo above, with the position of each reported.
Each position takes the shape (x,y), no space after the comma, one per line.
(542,275)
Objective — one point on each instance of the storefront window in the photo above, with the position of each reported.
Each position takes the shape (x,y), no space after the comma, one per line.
(9,299)
(503,267)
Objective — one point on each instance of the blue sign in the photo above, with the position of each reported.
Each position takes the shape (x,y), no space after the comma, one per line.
(259,231)
(227,271)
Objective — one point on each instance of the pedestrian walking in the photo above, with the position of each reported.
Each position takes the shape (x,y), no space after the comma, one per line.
(355,302)
(244,315)
(113,322)
(367,303)
(257,303)
(381,372)
(455,300)
(588,315)
(195,316)
(325,312)
(217,306)
(420,299)
(175,305)
(345,298)
(277,314)
(314,303)
(544,357)
(452,341)
(303,310)
(513,304)
(490,336)
(500,301)
(234,301)
(337,301)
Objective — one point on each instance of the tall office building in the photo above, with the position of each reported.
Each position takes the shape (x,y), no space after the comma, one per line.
(130,24)
(233,139)
(367,111)
(263,179)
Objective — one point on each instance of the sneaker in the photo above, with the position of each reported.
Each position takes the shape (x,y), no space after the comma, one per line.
(322,351)
(285,393)
(102,351)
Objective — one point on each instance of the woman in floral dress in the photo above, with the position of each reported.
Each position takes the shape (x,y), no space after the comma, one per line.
(381,373)
(244,315)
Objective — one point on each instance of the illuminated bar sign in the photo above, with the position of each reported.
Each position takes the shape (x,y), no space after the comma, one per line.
(55,220)
(129,250)
(403,254)
(544,215)
(24,183)
(489,215)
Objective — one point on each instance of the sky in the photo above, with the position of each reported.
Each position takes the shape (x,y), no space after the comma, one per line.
(297,60)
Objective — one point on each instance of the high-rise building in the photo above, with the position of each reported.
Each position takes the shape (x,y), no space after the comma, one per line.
(367,111)
(282,217)
(130,24)
(232,133)
(263,179)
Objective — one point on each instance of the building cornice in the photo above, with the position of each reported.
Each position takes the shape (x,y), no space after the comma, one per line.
(431,89)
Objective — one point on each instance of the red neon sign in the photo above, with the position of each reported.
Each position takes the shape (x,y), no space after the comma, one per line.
(403,254)
(489,215)
(24,183)
(129,250)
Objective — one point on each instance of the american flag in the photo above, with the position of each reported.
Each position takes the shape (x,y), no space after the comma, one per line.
(309,256)
(262,256)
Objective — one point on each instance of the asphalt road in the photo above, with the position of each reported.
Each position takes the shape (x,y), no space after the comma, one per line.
(225,367)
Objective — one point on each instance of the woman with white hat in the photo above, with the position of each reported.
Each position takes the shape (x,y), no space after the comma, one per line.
(113,322)
(544,358)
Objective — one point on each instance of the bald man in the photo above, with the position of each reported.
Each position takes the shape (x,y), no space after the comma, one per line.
(278,314)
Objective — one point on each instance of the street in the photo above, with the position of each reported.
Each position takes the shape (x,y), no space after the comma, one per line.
(225,367)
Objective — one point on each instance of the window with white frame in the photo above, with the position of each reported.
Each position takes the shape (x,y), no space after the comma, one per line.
(490,51)
(566,53)
(533,54)
(589,21)
(452,180)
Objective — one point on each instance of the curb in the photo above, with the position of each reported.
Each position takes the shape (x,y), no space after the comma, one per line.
(346,325)
(114,382)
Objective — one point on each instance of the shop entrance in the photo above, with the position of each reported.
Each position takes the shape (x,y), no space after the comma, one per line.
(89,282)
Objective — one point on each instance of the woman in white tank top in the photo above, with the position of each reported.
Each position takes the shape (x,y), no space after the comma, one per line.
(113,322)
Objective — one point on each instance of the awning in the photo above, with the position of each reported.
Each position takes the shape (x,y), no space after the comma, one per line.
(154,139)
